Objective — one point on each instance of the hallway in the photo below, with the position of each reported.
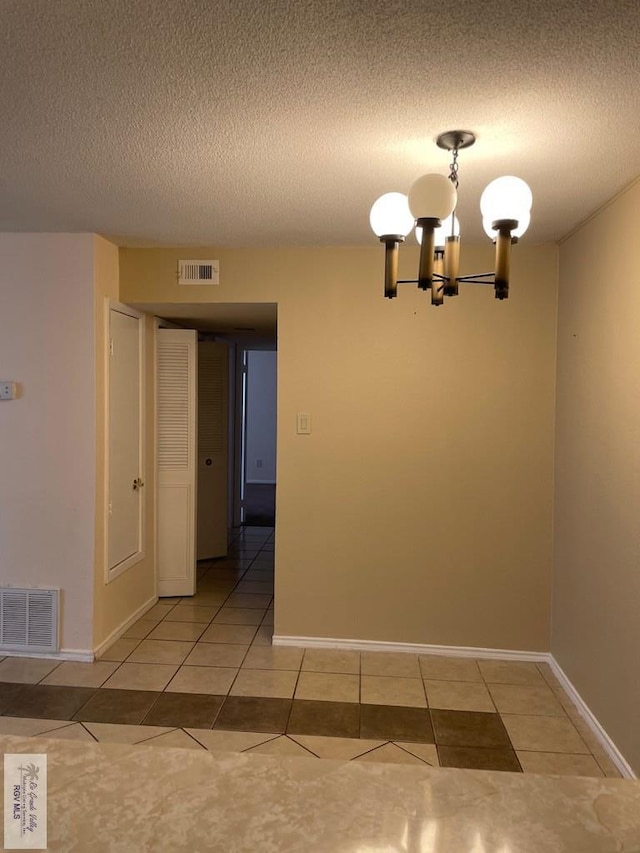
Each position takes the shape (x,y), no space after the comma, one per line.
(260,504)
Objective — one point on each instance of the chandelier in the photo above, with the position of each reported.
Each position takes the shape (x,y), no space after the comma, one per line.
(430,207)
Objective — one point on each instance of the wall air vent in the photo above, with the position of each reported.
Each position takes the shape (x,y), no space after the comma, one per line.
(198,272)
(28,620)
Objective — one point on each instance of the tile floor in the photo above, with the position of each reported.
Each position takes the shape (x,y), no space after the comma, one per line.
(201,673)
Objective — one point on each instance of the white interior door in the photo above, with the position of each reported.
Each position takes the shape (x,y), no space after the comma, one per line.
(177,364)
(213,448)
(124,499)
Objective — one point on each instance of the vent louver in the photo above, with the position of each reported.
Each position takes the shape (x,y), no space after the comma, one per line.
(173,405)
(198,272)
(29,620)
(211,413)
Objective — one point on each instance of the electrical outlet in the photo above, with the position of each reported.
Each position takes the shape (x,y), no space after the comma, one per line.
(258,463)
(7,390)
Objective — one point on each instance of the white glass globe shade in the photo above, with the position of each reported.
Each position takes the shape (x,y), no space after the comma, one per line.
(523,224)
(441,233)
(506,198)
(390,215)
(432,196)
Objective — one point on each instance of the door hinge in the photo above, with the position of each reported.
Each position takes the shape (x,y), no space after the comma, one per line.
(110,508)
(110,346)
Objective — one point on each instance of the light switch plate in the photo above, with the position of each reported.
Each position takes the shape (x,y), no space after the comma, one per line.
(304,423)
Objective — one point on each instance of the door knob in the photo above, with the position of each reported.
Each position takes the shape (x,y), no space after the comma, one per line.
(137,484)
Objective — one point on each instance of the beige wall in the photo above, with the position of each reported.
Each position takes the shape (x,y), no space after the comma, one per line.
(47,437)
(596,622)
(419,510)
(116,601)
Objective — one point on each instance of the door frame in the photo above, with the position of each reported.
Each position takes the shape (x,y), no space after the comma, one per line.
(113,305)
(238,433)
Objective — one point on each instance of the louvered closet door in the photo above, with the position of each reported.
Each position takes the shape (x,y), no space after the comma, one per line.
(213,412)
(177,357)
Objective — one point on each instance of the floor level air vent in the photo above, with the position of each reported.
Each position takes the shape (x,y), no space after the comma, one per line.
(28,620)
(198,272)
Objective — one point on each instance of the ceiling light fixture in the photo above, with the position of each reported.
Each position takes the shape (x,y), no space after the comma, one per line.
(505,205)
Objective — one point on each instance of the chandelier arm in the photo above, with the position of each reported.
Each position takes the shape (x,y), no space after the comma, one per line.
(436,277)
(476,278)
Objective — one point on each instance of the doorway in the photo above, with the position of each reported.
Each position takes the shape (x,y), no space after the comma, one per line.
(258,416)
(242,327)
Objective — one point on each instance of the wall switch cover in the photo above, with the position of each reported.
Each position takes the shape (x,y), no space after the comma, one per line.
(304,423)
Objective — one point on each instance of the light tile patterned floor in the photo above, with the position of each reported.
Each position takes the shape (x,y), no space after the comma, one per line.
(201,673)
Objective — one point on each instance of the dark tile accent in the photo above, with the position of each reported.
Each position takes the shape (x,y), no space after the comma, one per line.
(186,710)
(117,706)
(469,728)
(249,714)
(391,722)
(331,719)
(478,758)
(47,701)
(7,691)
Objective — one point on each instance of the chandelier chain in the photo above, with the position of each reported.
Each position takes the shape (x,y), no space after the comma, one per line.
(453,168)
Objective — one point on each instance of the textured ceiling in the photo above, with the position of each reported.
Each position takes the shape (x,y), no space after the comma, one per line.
(257,122)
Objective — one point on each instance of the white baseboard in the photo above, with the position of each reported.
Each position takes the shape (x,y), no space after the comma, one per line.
(83,655)
(115,635)
(411,648)
(472,652)
(590,719)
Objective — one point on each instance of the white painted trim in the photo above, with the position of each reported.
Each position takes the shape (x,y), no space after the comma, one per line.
(153,463)
(83,655)
(124,626)
(590,719)
(111,574)
(261,482)
(238,441)
(410,648)
(483,654)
